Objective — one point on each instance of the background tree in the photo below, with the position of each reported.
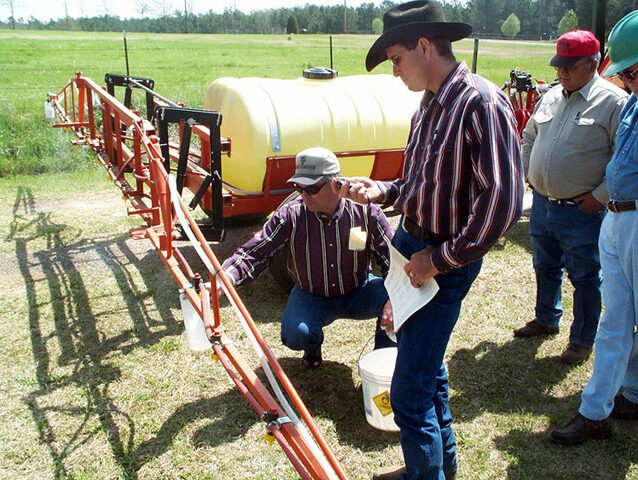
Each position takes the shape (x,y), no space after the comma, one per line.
(366,13)
(511,26)
(536,17)
(377,26)
(292,26)
(486,16)
(10,4)
(568,22)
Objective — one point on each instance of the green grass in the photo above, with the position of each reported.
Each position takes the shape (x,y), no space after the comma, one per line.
(35,63)
(98,382)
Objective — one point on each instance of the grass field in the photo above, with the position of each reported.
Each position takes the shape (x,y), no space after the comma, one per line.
(182,66)
(98,382)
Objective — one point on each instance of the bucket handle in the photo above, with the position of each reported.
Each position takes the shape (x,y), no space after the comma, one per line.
(364,347)
(368,341)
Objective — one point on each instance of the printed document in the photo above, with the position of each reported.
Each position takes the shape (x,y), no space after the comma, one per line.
(405,298)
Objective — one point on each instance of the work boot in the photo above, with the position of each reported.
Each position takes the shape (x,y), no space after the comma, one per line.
(311,361)
(580,429)
(624,409)
(574,354)
(388,473)
(535,329)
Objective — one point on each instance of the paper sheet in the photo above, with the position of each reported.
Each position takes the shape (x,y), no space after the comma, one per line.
(358,239)
(405,298)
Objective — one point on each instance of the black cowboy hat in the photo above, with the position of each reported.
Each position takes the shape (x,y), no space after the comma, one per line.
(422,18)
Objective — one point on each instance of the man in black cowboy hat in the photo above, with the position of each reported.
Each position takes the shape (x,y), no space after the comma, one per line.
(461,190)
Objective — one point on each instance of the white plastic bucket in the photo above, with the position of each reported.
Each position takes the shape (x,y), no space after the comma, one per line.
(195,333)
(376,369)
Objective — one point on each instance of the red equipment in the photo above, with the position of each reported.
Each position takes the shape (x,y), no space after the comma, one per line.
(523,95)
(143,166)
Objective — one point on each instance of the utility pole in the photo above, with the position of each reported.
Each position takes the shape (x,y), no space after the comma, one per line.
(598,22)
(66,13)
(185,18)
(9,3)
(344,17)
(540,15)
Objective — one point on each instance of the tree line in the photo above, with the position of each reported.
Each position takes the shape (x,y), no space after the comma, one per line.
(527,19)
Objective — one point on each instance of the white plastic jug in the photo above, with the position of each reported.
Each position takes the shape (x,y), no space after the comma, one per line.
(49,113)
(194,325)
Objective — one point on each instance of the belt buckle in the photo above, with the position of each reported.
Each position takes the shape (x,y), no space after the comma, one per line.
(611,205)
(560,202)
(616,206)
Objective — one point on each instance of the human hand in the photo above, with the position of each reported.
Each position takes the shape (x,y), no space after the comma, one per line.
(588,203)
(359,189)
(420,267)
(387,319)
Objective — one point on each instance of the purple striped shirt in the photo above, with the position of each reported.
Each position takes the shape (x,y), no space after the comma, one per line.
(462,174)
(319,259)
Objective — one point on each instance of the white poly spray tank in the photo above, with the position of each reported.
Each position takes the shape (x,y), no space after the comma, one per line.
(268,117)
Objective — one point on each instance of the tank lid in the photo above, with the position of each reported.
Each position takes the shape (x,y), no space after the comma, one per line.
(319,73)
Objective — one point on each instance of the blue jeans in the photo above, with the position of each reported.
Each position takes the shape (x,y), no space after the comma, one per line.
(616,360)
(419,392)
(566,238)
(306,314)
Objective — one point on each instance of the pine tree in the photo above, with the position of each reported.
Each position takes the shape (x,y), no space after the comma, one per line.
(292,26)
(511,26)
(568,23)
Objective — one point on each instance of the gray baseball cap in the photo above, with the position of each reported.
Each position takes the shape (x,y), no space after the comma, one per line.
(313,164)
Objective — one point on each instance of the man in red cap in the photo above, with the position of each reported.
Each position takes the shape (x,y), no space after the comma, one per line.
(616,362)
(566,145)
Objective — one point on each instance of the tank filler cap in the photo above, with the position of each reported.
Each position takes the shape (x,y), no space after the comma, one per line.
(319,73)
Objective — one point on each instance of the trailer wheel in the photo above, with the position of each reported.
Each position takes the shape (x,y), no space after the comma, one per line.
(279,263)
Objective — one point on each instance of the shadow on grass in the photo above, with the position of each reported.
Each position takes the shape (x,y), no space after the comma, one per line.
(508,379)
(504,379)
(234,418)
(52,263)
(533,456)
(518,235)
(80,343)
(328,393)
(331,394)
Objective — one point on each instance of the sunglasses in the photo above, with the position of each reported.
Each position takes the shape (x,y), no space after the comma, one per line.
(310,189)
(628,74)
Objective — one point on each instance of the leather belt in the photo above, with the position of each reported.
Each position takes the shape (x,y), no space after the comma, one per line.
(560,202)
(421,233)
(617,207)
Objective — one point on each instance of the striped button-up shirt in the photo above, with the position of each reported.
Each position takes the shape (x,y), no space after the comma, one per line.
(462,174)
(319,259)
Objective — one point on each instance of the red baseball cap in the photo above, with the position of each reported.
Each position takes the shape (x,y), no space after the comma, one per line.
(574,45)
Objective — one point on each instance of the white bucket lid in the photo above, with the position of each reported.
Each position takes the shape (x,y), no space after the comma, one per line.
(378,364)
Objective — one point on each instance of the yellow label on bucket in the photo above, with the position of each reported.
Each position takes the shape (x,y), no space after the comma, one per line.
(382,401)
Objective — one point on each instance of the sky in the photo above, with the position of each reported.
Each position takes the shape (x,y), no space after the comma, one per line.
(45,10)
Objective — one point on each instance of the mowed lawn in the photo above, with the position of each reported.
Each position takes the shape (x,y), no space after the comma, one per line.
(97,380)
